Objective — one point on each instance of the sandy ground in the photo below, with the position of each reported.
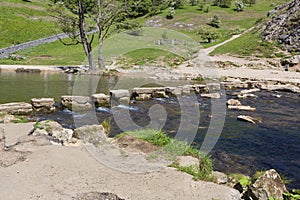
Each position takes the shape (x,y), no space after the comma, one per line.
(44,171)
(44,68)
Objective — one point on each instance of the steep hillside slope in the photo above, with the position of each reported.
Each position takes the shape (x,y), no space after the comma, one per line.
(284,26)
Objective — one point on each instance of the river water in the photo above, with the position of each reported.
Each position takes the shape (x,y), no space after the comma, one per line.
(241,148)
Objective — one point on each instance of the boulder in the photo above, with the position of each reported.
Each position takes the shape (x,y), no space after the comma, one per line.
(269,185)
(119,97)
(101,100)
(43,104)
(248,119)
(294,60)
(53,129)
(76,102)
(211,95)
(246,108)
(17,108)
(233,102)
(94,134)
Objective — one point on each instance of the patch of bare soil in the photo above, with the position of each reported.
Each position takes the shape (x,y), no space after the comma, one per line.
(10,157)
(134,144)
(98,196)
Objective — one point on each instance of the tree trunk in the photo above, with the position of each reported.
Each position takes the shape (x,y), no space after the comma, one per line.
(100,52)
(84,37)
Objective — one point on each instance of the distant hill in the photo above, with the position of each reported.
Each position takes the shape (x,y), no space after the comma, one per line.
(284,26)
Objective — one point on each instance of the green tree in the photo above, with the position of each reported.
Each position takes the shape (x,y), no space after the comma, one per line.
(138,8)
(222,3)
(208,35)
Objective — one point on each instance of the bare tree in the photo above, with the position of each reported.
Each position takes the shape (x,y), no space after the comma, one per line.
(72,18)
(109,13)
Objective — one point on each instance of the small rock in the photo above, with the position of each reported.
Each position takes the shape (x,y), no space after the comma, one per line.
(187,161)
(250,91)
(248,119)
(221,178)
(245,96)
(246,108)
(211,95)
(233,102)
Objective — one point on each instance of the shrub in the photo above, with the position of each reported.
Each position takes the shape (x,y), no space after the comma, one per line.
(222,3)
(193,2)
(208,35)
(235,31)
(215,21)
(171,13)
(206,8)
(239,6)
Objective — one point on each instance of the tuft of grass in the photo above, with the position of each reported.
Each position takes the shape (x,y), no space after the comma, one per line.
(242,179)
(171,147)
(20,119)
(203,171)
(106,125)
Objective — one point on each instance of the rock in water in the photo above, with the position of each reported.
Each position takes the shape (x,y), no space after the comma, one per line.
(233,102)
(248,119)
(246,108)
(17,108)
(268,185)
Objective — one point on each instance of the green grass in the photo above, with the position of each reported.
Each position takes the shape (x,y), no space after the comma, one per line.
(151,56)
(24,21)
(242,179)
(20,119)
(202,171)
(170,146)
(246,45)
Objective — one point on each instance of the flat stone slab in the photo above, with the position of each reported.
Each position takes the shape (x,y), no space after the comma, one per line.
(16,108)
(12,132)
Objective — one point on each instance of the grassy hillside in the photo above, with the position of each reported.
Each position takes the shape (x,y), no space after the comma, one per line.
(23,21)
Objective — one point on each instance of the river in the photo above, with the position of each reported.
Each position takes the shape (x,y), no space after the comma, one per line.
(242,147)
